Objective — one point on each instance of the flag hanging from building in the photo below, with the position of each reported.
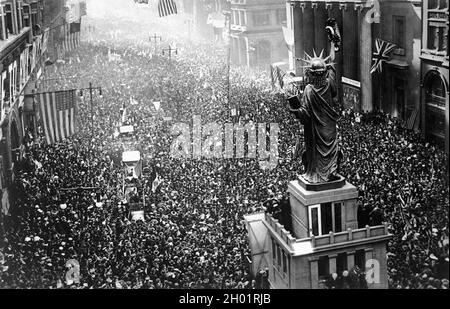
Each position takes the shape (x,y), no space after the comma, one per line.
(83,8)
(58,111)
(288,38)
(381,54)
(277,76)
(167,7)
(45,38)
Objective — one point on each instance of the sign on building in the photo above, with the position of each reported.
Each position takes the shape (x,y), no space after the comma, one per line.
(351,94)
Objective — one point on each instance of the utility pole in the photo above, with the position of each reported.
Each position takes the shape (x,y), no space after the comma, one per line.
(91,90)
(189,22)
(228,20)
(170,50)
(155,39)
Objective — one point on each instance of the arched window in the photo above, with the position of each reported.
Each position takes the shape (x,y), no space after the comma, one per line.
(435,90)
(435,97)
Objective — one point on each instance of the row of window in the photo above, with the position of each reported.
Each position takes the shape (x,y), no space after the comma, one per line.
(437,25)
(260,18)
(16,75)
(325,218)
(281,260)
(13,21)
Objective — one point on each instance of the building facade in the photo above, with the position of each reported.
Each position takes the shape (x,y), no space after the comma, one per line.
(23,50)
(198,12)
(256,32)
(394,90)
(412,85)
(435,72)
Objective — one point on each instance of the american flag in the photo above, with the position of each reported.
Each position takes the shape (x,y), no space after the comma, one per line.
(167,7)
(72,38)
(277,76)
(383,49)
(58,114)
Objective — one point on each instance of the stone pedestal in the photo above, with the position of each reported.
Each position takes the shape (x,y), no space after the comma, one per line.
(301,199)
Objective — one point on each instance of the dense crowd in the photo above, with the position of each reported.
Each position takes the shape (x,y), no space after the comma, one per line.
(193,235)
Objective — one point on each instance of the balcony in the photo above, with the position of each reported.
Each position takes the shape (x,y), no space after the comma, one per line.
(325,242)
(7,45)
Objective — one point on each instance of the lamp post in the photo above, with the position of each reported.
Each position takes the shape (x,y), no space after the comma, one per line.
(155,39)
(170,50)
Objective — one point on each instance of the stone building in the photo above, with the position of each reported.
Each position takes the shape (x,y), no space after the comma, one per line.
(435,72)
(22,56)
(256,32)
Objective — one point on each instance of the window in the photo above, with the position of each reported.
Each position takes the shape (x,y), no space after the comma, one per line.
(261,18)
(278,257)
(324,267)
(435,91)
(360,259)
(325,218)
(242,20)
(341,263)
(314,220)
(437,37)
(399,34)
(437,24)
(274,250)
(26,15)
(285,263)
(8,20)
(337,227)
(281,16)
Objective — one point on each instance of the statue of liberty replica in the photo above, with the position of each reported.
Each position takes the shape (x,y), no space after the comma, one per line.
(314,108)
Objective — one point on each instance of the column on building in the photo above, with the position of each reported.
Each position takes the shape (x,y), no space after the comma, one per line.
(295,22)
(247,52)
(332,260)
(350,260)
(308,28)
(350,41)
(320,18)
(365,57)
(369,257)
(314,268)
(239,51)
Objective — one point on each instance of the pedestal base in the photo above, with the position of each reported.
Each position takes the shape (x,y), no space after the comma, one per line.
(336,184)
(302,199)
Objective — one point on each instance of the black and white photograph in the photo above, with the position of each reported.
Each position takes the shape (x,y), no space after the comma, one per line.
(242,145)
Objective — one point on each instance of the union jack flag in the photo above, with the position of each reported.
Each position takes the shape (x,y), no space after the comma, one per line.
(383,49)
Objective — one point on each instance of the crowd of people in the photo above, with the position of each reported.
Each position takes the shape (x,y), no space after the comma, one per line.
(70,206)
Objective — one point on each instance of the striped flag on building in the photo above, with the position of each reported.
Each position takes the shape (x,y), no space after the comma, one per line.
(58,111)
(167,7)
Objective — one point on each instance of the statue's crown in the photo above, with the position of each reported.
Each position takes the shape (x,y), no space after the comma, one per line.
(317,65)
